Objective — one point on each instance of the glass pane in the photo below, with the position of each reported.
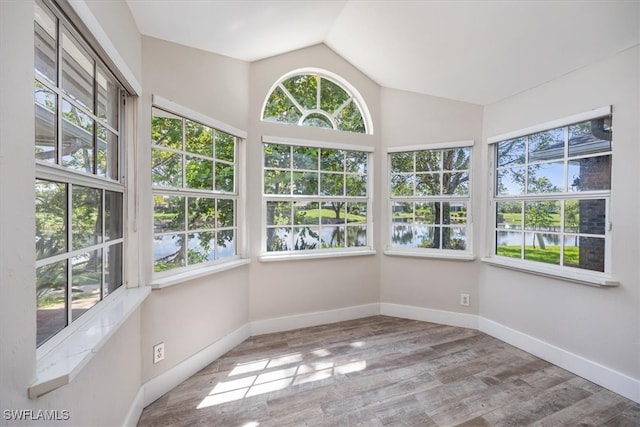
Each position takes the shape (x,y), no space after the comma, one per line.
(168,213)
(280,108)
(546,178)
(51,219)
(401,162)
(277,182)
(509,215)
(427,237)
(46,105)
(225,177)
(332,184)
(542,215)
(277,156)
(454,238)
(51,285)
(402,212)
(225,244)
(86,216)
(350,118)
(45,43)
(201,213)
(86,286)
(107,154)
(585,216)
(225,146)
(591,173)
(356,213)
(305,158)
(226,213)
(199,173)
(455,213)
(113,268)
(108,99)
(542,247)
(356,236)
(318,120)
(113,210)
(279,213)
(584,252)
(166,129)
(510,181)
(455,183)
(429,160)
(402,185)
(332,160)
(198,138)
(303,88)
(402,235)
(306,238)
(356,161)
(590,137)
(511,152)
(428,213)
(168,252)
(306,213)
(456,159)
(545,146)
(166,168)
(428,184)
(332,96)
(305,183)
(279,239)
(509,244)
(201,248)
(332,237)
(356,185)
(77,139)
(77,71)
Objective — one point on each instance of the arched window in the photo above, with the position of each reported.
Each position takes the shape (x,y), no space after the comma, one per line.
(318,99)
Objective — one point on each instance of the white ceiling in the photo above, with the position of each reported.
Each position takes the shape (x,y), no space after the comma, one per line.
(476,51)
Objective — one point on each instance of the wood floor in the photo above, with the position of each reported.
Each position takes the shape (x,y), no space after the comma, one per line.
(386,371)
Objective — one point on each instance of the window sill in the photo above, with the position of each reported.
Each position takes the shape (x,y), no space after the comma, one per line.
(319,255)
(585,278)
(177,278)
(421,253)
(63,363)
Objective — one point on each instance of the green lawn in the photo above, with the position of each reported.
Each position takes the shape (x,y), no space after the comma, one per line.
(516,218)
(549,255)
(313,214)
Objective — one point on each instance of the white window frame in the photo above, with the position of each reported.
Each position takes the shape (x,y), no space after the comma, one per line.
(573,274)
(460,255)
(317,253)
(181,274)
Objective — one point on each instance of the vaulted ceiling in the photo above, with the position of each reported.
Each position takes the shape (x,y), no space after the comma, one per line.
(478,51)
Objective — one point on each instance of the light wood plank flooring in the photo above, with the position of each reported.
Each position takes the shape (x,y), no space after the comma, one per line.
(386,371)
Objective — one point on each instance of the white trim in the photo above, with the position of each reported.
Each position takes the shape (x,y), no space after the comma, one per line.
(576,118)
(188,113)
(92,23)
(65,361)
(431,315)
(135,410)
(313,254)
(556,272)
(606,377)
(297,321)
(425,253)
(311,143)
(178,278)
(157,386)
(436,146)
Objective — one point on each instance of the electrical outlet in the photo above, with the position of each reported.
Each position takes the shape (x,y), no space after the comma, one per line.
(158,353)
(464,299)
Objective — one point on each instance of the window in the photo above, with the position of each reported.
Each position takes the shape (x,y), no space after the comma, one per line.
(316,198)
(194,169)
(429,198)
(552,191)
(317,100)
(79,187)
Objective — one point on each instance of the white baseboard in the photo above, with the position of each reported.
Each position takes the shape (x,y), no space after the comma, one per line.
(287,323)
(156,387)
(430,315)
(606,377)
(135,410)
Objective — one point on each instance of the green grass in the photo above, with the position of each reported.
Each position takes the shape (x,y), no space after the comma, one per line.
(50,301)
(516,218)
(313,214)
(549,255)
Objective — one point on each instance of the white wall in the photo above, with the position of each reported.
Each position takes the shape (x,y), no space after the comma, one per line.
(598,324)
